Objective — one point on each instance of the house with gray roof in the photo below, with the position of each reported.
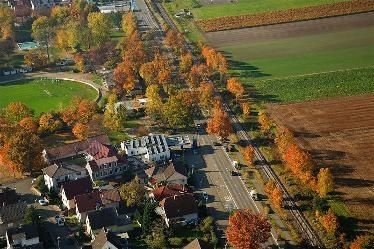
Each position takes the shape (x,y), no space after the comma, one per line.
(11,215)
(56,174)
(24,236)
(106,239)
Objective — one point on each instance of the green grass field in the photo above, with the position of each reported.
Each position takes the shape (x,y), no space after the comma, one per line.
(242,7)
(44,95)
(317,86)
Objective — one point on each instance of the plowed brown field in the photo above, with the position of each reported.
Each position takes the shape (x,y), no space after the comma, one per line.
(339,133)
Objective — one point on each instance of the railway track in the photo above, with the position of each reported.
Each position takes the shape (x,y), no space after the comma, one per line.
(301,221)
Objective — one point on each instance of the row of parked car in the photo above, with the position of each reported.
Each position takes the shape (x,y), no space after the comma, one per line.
(14,71)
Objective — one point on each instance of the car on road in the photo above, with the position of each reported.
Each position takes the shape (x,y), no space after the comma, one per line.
(216,144)
(205,196)
(60,221)
(234,173)
(43,202)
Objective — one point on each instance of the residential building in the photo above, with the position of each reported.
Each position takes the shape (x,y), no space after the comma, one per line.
(106,239)
(56,174)
(169,190)
(179,209)
(46,4)
(72,150)
(103,161)
(11,215)
(169,173)
(95,200)
(22,9)
(198,244)
(25,236)
(107,218)
(151,148)
(73,188)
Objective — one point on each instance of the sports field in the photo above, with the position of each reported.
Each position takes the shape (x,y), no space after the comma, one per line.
(205,9)
(44,94)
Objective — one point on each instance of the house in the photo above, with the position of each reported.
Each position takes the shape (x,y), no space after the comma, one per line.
(169,190)
(11,215)
(151,148)
(71,150)
(181,209)
(25,236)
(21,8)
(94,200)
(106,239)
(198,244)
(56,174)
(73,188)
(107,218)
(170,173)
(103,161)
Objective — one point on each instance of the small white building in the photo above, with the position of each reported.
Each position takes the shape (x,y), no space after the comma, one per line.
(23,236)
(56,174)
(151,148)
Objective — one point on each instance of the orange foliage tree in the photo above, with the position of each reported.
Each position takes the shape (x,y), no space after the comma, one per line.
(329,221)
(185,64)
(219,123)
(80,131)
(235,87)
(214,60)
(283,138)
(265,122)
(14,112)
(247,230)
(246,109)
(325,182)
(124,75)
(248,154)
(199,73)
(175,40)
(275,194)
(362,242)
(300,164)
(206,95)
(157,71)
(29,124)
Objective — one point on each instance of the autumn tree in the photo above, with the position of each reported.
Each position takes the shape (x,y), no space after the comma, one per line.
(274,193)
(129,23)
(29,124)
(215,60)
(80,131)
(81,110)
(283,138)
(154,102)
(44,32)
(219,123)
(132,193)
(49,122)
(325,182)
(265,122)
(329,221)
(114,117)
(60,15)
(248,154)
(246,109)
(206,95)
(235,87)
(157,71)
(363,242)
(247,230)
(174,40)
(157,238)
(7,46)
(16,111)
(185,63)
(199,73)
(7,20)
(35,59)
(133,50)
(124,75)
(100,27)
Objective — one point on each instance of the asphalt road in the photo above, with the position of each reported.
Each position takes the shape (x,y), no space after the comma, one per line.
(144,16)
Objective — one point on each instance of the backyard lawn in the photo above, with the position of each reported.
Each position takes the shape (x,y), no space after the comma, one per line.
(44,95)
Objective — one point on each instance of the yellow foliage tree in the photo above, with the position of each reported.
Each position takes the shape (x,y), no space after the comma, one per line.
(325,182)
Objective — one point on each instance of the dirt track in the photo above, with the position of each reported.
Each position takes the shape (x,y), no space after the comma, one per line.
(281,31)
(339,133)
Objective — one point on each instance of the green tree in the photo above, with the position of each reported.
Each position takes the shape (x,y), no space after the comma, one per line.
(157,239)
(31,216)
(44,32)
(175,112)
(100,27)
(147,217)
(39,184)
(154,102)
(128,23)
(132,193)
(114,118)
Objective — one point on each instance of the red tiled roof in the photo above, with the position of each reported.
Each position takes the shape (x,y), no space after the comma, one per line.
(109,196)
(77,187)
(89,201)
(178,206)
(198,244)
(98,150)
(163,192)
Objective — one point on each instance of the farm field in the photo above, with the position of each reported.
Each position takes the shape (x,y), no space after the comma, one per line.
(44,95)
(338,133)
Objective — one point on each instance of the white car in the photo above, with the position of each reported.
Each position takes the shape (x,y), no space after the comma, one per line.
(60,221)
(43,202)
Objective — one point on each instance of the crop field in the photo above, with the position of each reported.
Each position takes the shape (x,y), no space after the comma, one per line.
(338,133)
(242,7)
(44,94)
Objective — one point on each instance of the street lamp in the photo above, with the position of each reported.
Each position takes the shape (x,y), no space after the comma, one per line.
(58,242)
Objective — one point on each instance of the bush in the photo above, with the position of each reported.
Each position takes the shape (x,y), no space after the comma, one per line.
(207,224)
(177,242)
(39,184)
(320,204)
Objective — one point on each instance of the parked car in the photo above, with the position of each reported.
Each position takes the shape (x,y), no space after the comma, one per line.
(60,221)
(234,173)
(43,202)
(216,144)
